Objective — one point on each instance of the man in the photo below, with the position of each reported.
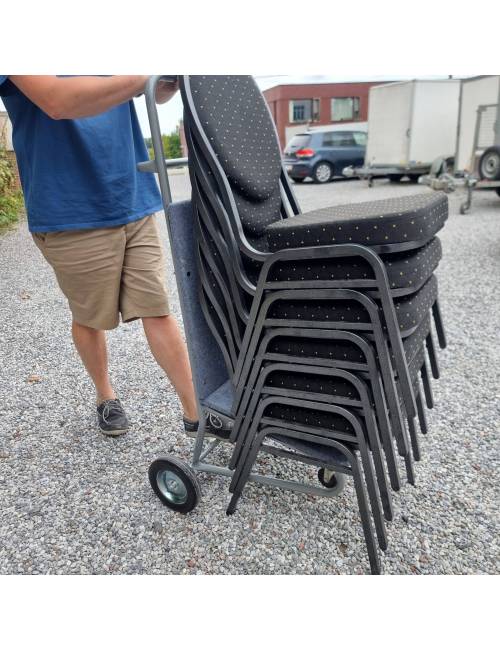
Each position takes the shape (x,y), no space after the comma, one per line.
(91,214)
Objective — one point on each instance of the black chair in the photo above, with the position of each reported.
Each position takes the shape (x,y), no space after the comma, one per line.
(355,284)
(243,201)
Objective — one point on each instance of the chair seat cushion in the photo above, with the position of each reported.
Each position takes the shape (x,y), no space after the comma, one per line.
(390,221)
(341,351)
(325,456)
(405,270)
(410,310)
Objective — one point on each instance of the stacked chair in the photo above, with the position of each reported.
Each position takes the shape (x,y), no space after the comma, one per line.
(323,319)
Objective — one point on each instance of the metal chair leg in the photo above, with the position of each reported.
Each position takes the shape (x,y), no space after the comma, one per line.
(438,320)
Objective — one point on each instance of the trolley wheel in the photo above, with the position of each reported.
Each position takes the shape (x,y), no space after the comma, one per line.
(175,484)
(489,164)
(330,480)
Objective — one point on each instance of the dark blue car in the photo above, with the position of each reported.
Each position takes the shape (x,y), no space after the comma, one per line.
(322,155)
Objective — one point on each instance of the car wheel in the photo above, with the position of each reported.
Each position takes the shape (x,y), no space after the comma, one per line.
(298,180)
(489,164)
(323,172)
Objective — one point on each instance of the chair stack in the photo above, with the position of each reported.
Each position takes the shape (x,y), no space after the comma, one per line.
(324,318)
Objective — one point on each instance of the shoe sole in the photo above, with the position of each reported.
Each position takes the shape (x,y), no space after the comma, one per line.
(114,433)
(210,436)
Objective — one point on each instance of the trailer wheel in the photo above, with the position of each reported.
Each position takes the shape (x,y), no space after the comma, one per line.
(395,178)
(489,164)
(498,191)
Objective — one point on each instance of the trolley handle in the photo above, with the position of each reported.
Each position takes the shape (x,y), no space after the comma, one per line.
(159,164)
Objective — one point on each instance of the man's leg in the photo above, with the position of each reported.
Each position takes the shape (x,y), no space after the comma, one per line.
(91,346)
(169,350)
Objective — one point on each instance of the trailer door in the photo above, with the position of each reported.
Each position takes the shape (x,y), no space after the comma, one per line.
(389,123)
(434,121)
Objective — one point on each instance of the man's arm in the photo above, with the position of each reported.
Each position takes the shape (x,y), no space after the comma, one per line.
(74,97)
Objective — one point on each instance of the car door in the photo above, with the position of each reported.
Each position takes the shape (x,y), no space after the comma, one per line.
(341,149)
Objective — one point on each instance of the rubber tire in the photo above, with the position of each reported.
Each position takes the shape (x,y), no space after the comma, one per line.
(488,152)
(414,177)
(332,173)
(333,482)
(298,180)
(498,191)
(395,178)
(183,471)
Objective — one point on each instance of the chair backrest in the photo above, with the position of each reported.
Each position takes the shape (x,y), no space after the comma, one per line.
(207,361)
(230,113)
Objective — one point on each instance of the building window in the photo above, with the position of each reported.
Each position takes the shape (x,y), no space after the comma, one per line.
(345,109)
(304,110)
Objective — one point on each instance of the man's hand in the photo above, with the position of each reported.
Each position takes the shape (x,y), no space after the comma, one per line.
(165,90)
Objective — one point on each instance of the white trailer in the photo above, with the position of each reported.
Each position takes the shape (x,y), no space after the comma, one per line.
(410,123)
(477,157)
(478,124)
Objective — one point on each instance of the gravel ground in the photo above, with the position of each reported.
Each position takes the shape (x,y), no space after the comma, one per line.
(73,501)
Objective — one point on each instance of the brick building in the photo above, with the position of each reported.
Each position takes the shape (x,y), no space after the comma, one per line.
(295,106)
(6,143)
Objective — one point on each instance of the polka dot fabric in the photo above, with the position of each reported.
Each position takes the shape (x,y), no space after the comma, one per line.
(410,269)
(391,221)
(239,127)
(410,310)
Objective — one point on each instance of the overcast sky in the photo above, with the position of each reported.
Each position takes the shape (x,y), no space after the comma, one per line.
(171,113)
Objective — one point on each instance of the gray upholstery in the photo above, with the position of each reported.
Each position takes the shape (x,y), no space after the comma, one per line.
(207,362)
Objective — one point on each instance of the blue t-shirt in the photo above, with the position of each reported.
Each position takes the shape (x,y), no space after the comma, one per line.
(79,174)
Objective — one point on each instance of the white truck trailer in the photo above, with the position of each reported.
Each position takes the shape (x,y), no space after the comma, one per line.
(410,124)
(477,157)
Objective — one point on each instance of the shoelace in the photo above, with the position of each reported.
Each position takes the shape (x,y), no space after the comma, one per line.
(110,406)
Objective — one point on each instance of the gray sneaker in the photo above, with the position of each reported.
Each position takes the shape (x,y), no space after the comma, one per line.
(112,418)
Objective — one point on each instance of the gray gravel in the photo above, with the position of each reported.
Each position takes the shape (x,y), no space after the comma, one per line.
(72,501)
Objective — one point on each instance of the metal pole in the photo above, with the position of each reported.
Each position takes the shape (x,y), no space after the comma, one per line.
(154,123)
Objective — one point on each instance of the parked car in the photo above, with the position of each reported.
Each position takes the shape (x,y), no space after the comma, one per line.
(323,154)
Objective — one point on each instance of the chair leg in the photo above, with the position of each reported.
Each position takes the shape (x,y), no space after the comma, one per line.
(409,469)
(427,386)
(373,495)
(421,413)
(431,351)
(385,431)
(438,320)
(414,439)
(365,518)
(380,473)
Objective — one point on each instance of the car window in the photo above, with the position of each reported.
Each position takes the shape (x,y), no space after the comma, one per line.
(338,139)
(360,138)
(298,142)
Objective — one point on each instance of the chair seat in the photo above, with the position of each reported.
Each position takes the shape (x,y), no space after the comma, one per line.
(405,270)
(325,456)
(410,310)
(398,220)
(341,351)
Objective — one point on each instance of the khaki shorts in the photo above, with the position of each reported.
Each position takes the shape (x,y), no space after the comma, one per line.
(106,272)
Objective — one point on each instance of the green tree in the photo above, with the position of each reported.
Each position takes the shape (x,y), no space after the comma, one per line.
(171,145)
(10,199)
